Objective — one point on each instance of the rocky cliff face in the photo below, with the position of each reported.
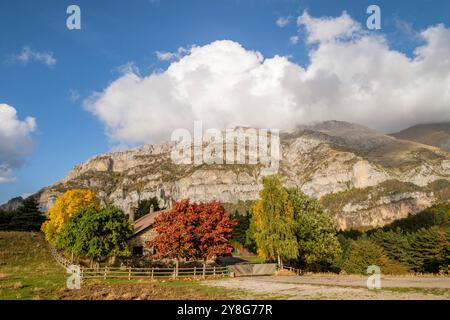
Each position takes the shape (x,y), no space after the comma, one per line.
(352,169)
(12,204)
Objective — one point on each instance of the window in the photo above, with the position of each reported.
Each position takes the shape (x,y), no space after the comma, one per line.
(138,251)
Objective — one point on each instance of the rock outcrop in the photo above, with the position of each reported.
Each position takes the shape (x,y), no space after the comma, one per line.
(324,160)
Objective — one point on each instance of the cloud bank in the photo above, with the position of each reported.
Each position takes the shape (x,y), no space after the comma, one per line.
(353,75)
(15,141)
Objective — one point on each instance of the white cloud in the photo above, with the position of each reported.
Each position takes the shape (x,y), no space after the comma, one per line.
(329,28)
(170,56)
(294,39)
(353,75)
(29,55)
(165,56)
(15,141)
(283,21)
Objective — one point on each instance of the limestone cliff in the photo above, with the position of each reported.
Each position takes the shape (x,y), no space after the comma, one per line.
(345,165)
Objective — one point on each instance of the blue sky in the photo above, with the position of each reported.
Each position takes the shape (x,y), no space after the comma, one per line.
(115,33)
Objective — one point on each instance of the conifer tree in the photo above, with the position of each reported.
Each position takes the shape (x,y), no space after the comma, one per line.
(27,217)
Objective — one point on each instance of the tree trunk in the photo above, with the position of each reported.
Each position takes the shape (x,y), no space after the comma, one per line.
(280,262)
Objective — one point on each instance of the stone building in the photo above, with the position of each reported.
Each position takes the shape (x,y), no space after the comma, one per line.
(143,232)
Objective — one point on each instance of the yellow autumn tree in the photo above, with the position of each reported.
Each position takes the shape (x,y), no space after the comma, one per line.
(65,207)
(273,223)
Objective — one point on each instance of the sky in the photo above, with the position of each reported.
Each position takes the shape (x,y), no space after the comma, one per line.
(139,69)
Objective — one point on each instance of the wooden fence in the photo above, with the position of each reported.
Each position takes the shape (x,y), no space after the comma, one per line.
(61,260)
(298,272)
(167,273)
(152,273)
(134,273)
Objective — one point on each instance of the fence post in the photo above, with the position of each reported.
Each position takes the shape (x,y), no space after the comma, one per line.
(129,273)
(214,271)
(152,272)
(104,275)
(195,271)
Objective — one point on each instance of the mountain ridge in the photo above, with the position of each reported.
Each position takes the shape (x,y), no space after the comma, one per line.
(433,134)
(327,160)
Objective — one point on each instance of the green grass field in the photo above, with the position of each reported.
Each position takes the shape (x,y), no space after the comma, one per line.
(27,269)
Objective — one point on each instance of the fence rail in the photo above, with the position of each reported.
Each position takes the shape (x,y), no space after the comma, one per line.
(61,260)
(134,273)
(298,272)
(173,273)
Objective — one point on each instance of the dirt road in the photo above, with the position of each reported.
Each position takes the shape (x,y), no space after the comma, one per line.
(341,287)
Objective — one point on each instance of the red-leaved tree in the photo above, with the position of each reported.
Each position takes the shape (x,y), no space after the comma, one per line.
(175,232)
(214,230)
(193,231)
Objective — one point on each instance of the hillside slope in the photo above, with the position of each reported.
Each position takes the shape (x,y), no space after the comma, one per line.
(27,268)
(435,134)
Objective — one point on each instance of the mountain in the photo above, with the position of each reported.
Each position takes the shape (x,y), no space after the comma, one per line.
(364,179)
(12,204)
(434,134)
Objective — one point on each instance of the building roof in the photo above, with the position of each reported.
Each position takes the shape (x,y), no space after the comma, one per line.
(146,221)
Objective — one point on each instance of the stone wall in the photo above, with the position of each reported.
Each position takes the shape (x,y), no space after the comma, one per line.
(140,239)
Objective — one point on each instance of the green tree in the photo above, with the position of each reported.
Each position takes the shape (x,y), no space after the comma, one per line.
(429,250)
(364,253)
(318,245)
(144,206)
(396,244)
(274,224)
(250,242)
(243,224)
(446,261)
(5,219)
(96,233)
(27,217)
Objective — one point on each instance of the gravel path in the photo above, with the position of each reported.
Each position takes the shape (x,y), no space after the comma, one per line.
(341,287)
